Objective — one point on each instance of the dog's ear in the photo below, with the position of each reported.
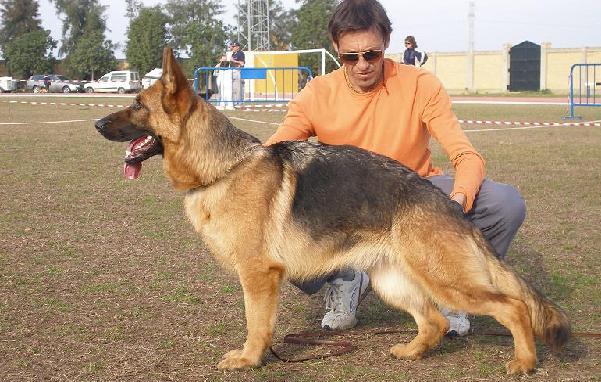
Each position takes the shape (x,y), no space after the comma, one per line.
(177,96)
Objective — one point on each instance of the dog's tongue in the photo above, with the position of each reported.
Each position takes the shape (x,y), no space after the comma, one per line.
(132,171)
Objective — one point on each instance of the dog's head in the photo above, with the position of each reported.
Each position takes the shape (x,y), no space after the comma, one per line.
(152,124)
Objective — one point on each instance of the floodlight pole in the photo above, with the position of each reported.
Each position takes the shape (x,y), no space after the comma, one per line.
(249,31)
(257,24)
(238,22)
(470,47)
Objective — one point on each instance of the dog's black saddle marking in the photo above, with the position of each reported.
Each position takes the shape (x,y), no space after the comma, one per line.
(344,189)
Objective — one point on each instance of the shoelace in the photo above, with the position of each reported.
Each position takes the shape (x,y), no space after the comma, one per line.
(333,300)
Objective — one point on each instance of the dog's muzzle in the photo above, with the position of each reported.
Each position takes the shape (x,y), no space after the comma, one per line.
(101,125)
(116,129)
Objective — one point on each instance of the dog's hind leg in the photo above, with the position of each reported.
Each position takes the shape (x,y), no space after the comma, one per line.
(400,291)
(475,282)
(511,313)
(261,285)
(467,285)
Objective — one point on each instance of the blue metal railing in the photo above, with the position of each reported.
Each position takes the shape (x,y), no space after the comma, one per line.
(585,86)
(231,85)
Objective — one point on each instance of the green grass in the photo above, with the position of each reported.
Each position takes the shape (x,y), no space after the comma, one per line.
(182,296)
(105,279)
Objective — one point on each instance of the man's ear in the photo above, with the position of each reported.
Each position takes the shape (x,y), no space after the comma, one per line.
(177,95)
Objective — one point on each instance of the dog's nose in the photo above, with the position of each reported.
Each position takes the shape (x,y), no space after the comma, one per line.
(101,124)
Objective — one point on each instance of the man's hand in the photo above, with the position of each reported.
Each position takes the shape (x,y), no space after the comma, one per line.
(460,199)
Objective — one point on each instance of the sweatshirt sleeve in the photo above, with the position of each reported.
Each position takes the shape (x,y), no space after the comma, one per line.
(444,127)
(296,126)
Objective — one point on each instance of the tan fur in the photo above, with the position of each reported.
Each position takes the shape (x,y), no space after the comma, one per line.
(239,202)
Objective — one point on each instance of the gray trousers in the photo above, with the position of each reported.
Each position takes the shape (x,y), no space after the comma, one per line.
(498,211)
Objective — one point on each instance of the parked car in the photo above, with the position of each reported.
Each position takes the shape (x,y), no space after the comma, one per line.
(121,81)
(151,77)
(7,84)
(58,84)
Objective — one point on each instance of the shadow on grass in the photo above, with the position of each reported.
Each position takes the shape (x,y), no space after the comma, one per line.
(530,265)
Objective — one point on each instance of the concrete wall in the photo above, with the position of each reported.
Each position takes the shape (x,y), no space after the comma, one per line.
(451,68)
(558,63)
(489,73)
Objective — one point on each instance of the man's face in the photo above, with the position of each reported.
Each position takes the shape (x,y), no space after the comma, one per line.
(235,48)
(363,75)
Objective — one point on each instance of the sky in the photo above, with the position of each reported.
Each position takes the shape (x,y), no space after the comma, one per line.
(438,25)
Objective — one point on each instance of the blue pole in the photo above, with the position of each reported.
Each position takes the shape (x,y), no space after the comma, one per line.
(571,116)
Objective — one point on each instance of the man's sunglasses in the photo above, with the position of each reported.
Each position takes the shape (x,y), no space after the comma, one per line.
(370,56)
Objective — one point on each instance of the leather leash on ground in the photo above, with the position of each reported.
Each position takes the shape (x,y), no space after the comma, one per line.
(316,338)
(313,338)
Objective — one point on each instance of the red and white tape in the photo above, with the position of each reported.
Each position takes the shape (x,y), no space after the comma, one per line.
(282,107)
(64,104)
(509,123)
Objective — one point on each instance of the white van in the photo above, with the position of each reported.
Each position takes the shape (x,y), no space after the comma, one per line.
(121,81)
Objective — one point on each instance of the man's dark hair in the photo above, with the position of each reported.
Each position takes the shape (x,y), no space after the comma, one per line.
(359,15)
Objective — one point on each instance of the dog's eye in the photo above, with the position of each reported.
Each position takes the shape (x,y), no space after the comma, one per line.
(136,105)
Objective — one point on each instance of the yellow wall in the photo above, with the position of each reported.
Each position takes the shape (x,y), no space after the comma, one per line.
(490,72)
(281,82)
(490,68)
(558,68)
(450,68)
(559,62)
(594,56)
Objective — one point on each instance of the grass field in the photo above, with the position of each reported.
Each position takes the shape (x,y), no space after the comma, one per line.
(103,279)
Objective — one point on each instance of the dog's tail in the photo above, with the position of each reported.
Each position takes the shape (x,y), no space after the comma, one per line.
(548,320)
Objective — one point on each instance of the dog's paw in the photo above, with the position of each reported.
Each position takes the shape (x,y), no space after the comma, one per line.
(406,351)
(234,360)
(518,366)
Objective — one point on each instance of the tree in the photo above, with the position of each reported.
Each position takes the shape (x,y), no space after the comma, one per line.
(28,53)
(83,37)
(197,31)
(18,17)
(147,35)
(91,55)
(311,31)
(26,47)
(133,8)
(81,16)
(282,23)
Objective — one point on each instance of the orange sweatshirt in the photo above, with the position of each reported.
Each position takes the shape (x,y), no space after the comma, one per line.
(396,119)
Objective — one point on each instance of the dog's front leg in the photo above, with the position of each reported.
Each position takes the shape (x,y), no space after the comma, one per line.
(261,286)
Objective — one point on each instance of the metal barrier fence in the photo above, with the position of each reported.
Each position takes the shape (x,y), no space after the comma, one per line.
(585,86)
(227,87)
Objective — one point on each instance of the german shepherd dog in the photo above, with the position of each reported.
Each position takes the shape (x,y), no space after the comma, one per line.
(299,210)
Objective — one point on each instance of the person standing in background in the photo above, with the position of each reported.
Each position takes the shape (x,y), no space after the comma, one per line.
(412,56)
(238,60)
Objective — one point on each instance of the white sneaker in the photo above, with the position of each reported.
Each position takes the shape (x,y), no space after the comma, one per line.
(459,325)
(342,299)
